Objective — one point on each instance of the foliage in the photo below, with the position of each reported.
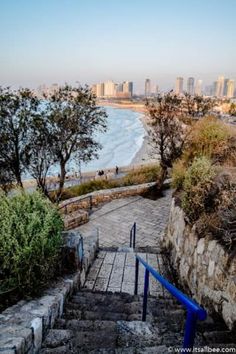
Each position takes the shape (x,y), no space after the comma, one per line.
(39,155)
(74,118)
(209,137)
(178,174)
(30,238)
(232,109)
(16,111)
(139,176)
(142,175)
(220,220)
(35,134)
(197,105)
(168,131)
(197,184)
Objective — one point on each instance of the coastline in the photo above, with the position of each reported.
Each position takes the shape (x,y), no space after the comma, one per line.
(141,157)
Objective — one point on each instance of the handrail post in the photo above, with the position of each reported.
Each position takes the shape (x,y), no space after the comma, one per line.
(91,202)
(145,295)
(130,241)
(190,329)
(136,276)
(134,238)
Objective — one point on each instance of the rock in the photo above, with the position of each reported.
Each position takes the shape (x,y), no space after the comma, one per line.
(57,337)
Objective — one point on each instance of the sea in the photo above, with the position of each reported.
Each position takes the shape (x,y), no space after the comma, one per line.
(120,143)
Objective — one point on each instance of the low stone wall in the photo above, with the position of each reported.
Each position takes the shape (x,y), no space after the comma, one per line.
(74,211)
(203,266)
(75,219)
(24,325)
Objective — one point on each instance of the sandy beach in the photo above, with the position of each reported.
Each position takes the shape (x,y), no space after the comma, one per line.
(143,156)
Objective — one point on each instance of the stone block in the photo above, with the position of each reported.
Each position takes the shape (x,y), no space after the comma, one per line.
(37,328)
(201,246)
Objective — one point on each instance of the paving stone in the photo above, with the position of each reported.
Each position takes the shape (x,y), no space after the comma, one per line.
(115,219)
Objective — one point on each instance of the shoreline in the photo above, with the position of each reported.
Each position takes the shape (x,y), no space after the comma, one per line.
(141,157)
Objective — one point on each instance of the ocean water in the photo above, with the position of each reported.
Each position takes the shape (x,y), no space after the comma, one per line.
(121,142)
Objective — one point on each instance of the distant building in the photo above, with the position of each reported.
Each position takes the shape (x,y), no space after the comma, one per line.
(220,86)
(225,87)
(157,89)
(109,89)
(198,88)
(214,88)
(128,88)
(119,88)
(100,90)
(147,87)
(230,89)
(179,86)
(190,86)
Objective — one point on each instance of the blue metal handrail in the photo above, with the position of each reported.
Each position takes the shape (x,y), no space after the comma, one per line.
(194,311)
(132,241)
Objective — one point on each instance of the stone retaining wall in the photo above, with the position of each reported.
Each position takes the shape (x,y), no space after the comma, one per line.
(24,325)
(75,211)
(203,266)
(102,196)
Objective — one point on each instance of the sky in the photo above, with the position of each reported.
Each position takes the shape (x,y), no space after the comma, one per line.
(87,41)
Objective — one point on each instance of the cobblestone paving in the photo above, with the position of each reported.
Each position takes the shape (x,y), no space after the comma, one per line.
(115,272)
(115,219)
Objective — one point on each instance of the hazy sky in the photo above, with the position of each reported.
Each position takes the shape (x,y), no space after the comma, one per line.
(46,41)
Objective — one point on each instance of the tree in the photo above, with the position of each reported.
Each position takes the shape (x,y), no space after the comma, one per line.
(16,111)
(73,120)
(232,109)
(39,153)
(196,106)
(168,129)
(6,177)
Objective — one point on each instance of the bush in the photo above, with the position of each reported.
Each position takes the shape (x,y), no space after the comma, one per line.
(30,239)
(209,137)
(196,186)
(143,175)
(178,174)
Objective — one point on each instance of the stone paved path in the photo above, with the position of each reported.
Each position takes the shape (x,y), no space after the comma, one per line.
(115,219)
(115,272)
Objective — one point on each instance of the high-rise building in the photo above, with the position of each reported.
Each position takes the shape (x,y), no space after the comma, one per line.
(198,88)
(214,88)
(157,89)
(100,90)
(230,89)
(225,87)
(109,89)
(128,88)
(179,86)
(220,86)
(190,86)
(147,87)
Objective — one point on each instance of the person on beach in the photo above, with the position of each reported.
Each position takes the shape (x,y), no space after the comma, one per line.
(117,170)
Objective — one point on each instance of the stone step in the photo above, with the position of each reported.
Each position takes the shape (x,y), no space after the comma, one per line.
(96,322)
(221,337)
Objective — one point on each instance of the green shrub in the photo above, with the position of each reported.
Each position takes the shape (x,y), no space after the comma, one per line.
(30,239)
(178,174)
(196,186)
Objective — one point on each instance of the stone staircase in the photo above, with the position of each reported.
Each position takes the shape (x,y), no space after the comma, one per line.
(110,322)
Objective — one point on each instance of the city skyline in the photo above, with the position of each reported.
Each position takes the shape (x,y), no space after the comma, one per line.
(69,41)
